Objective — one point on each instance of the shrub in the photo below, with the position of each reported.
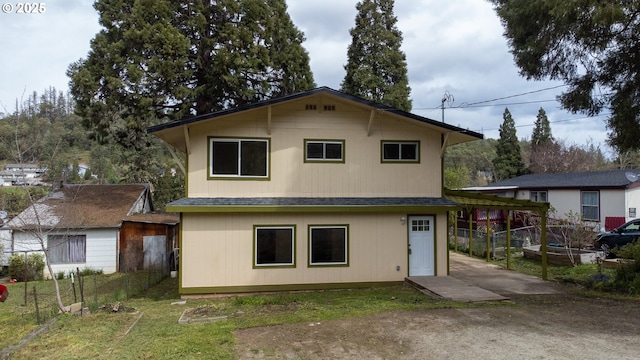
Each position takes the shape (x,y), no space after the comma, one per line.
(34,267)
(90,271)
(628,275)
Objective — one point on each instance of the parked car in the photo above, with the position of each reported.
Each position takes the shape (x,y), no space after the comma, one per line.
(618,237)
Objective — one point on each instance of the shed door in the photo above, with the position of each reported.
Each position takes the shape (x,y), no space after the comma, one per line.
(421,246)
(155,253)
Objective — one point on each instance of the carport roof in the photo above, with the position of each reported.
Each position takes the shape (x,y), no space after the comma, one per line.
(469,199)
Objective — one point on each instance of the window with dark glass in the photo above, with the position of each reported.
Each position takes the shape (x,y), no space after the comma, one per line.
(239,157)
(320,150)
(274,246)
(405,151)
(328,245)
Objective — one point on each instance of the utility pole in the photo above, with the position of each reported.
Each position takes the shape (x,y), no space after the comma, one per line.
(448,98)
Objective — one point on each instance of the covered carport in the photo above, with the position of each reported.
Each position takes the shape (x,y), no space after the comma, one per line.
(471,279)
(471,201)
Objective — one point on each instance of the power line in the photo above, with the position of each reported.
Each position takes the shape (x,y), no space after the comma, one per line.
(552,122)
(465,105)
(508,104)
(512,96)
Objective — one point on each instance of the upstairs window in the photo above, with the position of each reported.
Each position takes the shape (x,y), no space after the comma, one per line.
(324,150)
(401,151)
(232,158)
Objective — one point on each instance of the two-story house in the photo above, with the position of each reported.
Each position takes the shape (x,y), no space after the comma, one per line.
(314,190)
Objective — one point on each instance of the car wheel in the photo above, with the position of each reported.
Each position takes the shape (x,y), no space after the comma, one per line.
(605,247)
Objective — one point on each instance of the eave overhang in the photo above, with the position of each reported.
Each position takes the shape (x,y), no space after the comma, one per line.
(311,205)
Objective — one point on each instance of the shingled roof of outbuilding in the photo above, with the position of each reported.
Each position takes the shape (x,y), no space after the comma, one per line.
(155,218)
(82,206)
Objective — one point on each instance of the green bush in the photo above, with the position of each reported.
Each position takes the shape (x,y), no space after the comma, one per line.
(34,267)
(627,276)
(90,271)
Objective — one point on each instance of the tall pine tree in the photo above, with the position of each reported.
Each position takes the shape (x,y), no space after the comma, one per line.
(376,67)
(541,130)
(508,161)
(158,60)
(542,145)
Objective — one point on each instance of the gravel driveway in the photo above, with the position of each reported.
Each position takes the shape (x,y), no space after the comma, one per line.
(559,326)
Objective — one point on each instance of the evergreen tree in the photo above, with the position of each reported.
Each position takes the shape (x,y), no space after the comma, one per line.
(542,144)
(376,67)
(590,45)
(161,59)
(542,130)
(508,161)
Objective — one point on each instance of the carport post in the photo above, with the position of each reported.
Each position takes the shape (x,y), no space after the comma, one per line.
(509,239)
(488,234)
(455,232)
(470,230)
(543,241)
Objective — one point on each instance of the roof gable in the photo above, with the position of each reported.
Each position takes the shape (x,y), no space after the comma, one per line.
(85,206)
(173,132)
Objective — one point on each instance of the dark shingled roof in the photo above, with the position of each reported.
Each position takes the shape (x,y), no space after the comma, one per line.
(592,179)
(81,206)
(313,201)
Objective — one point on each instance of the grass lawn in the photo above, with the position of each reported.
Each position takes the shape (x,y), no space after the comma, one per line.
(150,329)
(579,274)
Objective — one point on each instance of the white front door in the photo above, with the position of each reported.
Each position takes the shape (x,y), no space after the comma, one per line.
(421,246)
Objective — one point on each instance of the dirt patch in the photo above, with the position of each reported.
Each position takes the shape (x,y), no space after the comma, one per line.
(561,326)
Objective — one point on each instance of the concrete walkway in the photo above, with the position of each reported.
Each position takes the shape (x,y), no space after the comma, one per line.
(473,280)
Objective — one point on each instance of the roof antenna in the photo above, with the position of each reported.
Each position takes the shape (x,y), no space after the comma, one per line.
(448,98)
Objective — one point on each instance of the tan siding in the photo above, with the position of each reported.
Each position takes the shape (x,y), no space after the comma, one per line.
(223,256)
(362,174)
(441,245)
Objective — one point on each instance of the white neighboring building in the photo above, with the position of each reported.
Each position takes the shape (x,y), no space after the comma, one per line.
(605,198)
(21,174)
(79,224)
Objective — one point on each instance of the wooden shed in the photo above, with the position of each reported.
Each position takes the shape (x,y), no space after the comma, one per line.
(148,242)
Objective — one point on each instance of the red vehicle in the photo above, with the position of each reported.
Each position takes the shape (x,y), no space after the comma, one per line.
(3,292)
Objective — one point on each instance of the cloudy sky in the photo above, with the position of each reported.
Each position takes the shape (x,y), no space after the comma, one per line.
(452,47)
